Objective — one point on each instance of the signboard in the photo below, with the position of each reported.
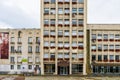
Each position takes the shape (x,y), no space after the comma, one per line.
(4,45)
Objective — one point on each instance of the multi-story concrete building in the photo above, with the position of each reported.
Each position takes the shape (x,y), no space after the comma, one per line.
(104,48)
(23,50)
(63,37)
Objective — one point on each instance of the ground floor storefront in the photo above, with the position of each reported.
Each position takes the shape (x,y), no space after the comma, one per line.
(106,69)
(63,69)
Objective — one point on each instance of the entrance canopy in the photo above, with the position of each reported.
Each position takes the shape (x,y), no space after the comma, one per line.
(63,63)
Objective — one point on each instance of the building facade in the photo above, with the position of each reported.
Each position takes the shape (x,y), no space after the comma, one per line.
(104,48)
(63,37)
(23,50)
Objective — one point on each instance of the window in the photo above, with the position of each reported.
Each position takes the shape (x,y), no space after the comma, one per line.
(52,1)
(93,57)
(60,44)
(74,55)
(93,47)
(66,33)
(67,11)
(19,59)
(46,0)
(117,57)
(105,47)
(52,55)
(93,36)
(60,32)
(117,46)
(11,67)
(46,32)
(99,46)
(80,55)
(30,59)
(117,36)
(46,43)
(111,46)
(52,32)
(19,49)
(52,43)
(12,49)
(52,21)
(49,68)
(37,59)
(19,39)
(12,39)
(67,21)
(99,57)
(29,66)
(37,40)
(67,0)
(105,57)
(46,10)
(12,59)
(60,21)
(30,39)
(80,21)
(46,55)
(29,49)
(111,57)
(80,44)
(52,11)
(111,36)
(66,55)
(46,21)
(80,32)
(81,1)
(77,68)
(74,44)
(105,36)
(99,36)
(60,55)
(74,32)
(66,44)
(18,67)
(74,21)
(74,10)
(80,10)
(60,11)
(37,49)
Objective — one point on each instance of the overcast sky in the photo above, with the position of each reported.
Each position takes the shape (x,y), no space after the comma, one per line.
(26,13)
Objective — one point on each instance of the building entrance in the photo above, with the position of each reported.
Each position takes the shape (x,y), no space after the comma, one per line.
(63,67)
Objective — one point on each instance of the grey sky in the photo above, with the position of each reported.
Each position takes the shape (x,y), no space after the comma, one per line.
(26,13)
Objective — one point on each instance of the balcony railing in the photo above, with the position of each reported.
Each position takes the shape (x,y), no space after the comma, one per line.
(93,50)
(12,42)
(80,47)
(60,2)
(99,40)
(59,48)
(46,2)
(111,40)
(19,42)
(112,50)
(117,50)
(105,39)
(46,25)
(74,47)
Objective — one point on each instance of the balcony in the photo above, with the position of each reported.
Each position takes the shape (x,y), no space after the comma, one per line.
(30,52)
(67,59)
(66,2)
(46,2)
(117,60)
(52,36)
(59,48)
(80,24)
(60,2)
(112,50)
(60,59)
(52,47)
(67,48)
(12,42)
(105,60)
(99,40)
(93,50)
(74,36)
(46,35)
(81,59)
(105,50)
(111,60)
(60,35)
(46,13)
(80,13)
(52,59)
(117,40)
(66,25)
(52,24)
(93,40)
(60,25)
(19,42)
(74,2)
(117,50)
(80,47)
(105,39)
(29,42)
(46,25)
(12,62)
(46,59)
(80,36)
(111,40)
(74,47)
(99,49)
(46,47)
